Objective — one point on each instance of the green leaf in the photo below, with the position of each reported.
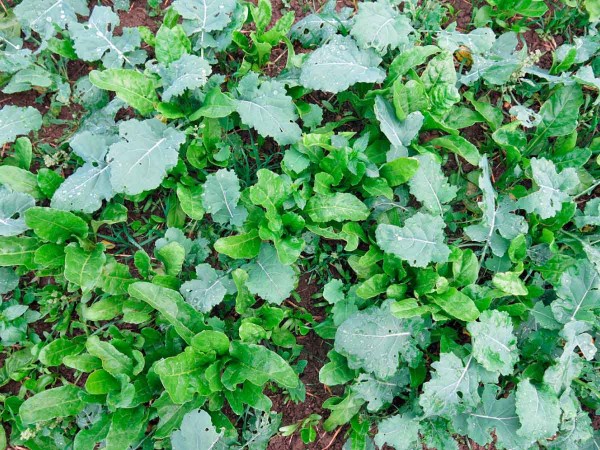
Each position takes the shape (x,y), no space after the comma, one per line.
(338,207)
(18,251)
(269,278)
(265,107)
(15,121)
(13,204)
(172,255)
(538,409)
(458,145)
(372,339)
(180,375)
(190,200)
(380,26)
(141,159)
(185,319)
(52,403)
(339,64)
(113,361)
(82,267)
(220,198)
(239,246)
(494,344)
(197,432)
(216,105)
(53,353)
(420,241)
(430,186)
(509,283)
(258,365)
(171,44)
(55,225)
(131,86)
(457,305)
(400,432)
(554,188)
(207,291)
(496,415)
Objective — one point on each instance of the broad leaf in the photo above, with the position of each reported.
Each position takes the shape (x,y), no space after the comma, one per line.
(55,225)
(400,432)
(82,267)
(246,245)
(338,207)
(131,86)
(42,16)
(206,15)
(52,403)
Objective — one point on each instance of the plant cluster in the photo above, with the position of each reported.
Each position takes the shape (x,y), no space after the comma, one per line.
(439,186)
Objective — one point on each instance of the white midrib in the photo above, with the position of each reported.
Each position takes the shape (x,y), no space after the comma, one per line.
(111,45)
(54,5)
(225,198)
(97,174)
(269,277)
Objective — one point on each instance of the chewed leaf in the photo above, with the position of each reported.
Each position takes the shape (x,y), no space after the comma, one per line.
(141,159)
(42,16)
(12,208)
(430,186)
(338,65)
(206,15)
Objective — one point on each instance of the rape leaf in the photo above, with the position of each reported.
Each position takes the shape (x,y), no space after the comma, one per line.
(13,204)
(430,186)
(15,121)
(266,107)
(269,278)
(379,25)
(143,156)
(220,198)
(339,64)
(494,344)
(538,409)
(207,291)
(420,241)
(188,73)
